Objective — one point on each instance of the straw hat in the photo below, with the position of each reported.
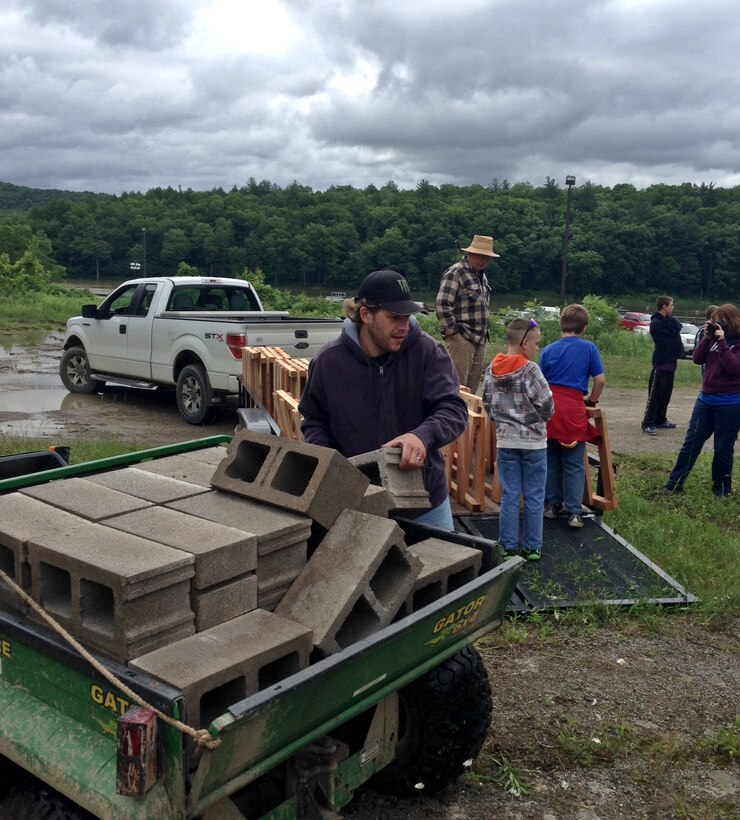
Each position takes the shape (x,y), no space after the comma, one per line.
(482,245)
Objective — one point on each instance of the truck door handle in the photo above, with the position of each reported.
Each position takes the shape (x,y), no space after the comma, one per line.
(301,334)
(122,329)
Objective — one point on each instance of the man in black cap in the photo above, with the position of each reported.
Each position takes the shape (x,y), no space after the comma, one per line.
(386,383)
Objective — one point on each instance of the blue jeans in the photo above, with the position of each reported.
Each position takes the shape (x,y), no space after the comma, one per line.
(566,476)
(724,422)
(439,516)
(521,473)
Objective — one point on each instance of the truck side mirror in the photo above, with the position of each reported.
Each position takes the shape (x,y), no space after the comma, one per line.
(90,312)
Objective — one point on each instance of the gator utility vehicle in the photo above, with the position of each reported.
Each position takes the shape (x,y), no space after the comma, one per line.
(406,708)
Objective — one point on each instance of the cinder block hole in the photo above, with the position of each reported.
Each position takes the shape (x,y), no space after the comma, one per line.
(361,622)
(96,607)
(216,701)
(459,579)
(372,471)
(426,595)
(294,473)
(247,461)
(272,673)
(56,589)
(390,576)
(7,561)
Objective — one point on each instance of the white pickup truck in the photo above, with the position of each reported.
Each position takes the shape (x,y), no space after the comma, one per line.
(183,331)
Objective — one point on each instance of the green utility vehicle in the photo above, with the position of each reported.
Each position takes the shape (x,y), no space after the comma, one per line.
(407,708)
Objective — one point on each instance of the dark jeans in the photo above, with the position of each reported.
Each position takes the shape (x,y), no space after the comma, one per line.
(724,422)
(660,389)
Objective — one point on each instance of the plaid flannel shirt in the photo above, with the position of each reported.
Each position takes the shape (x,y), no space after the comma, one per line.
(462,302)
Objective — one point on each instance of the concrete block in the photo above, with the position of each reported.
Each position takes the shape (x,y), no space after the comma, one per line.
(405,487)
(85,499)
(159,489)
(354,583)
(220,552)
(223,602)
(208,455)
(376,501)
(223,665)
(120,593)
(305,478)
(269,599)
(273,528)
(23,518)
(182,468)
(445,568)
(281,567)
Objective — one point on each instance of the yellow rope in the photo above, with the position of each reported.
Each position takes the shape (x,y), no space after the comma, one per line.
(202,737)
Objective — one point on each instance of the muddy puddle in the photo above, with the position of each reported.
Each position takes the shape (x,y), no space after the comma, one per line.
(35,404)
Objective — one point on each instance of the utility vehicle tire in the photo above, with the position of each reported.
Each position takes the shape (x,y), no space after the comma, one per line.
(33,800)
(443,720)
(74,370)
(193,396)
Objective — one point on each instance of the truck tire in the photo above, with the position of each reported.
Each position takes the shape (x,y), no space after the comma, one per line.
(193,396)
(74,370)
(443,720)
(34,800)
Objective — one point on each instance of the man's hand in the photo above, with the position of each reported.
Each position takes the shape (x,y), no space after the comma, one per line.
(413,451)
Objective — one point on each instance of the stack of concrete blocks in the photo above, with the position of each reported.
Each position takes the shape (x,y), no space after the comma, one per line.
(445,568)
(119,593)
(182,467)
(355,582)
(281,537)
(227,663)
(405,488)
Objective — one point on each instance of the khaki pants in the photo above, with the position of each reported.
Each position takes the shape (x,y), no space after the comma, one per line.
(468,360)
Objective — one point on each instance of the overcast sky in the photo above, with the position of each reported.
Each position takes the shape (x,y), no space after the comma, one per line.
(125,96)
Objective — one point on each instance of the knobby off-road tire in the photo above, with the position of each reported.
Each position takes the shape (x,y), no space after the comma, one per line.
(33,800)
(443,721)
(74,370)
(193,396)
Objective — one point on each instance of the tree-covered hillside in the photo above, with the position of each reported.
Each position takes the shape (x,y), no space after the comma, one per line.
(19,199)
(684,239)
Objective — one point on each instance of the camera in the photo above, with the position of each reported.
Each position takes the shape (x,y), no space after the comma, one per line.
(712,328)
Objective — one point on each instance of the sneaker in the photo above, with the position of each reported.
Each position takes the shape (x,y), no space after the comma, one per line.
(508,552)
(650,431)
(552,510)
(575,521)
(666,425)
(667,490)
(533,555)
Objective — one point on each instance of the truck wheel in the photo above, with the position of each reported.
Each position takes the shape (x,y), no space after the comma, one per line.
(33,800)
(74,370)
(193,394)
(443,720)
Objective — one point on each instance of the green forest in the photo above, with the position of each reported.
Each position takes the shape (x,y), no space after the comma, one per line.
(681,239)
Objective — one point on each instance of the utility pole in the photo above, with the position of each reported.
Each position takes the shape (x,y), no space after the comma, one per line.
(570,181)
(143,262)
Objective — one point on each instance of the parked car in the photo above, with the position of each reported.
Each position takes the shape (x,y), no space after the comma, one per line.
(631,321)
(688,338)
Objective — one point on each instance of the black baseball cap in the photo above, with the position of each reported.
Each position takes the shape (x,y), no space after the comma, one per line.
(389,290)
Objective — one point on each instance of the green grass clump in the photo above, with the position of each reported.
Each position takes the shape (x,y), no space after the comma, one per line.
(36,312)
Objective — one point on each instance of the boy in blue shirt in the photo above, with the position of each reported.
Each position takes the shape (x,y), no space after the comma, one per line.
(568,364)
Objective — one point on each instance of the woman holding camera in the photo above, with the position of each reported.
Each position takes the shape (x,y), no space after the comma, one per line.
(717,409)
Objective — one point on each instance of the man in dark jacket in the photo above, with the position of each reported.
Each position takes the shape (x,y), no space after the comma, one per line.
(666,333)
(386,383)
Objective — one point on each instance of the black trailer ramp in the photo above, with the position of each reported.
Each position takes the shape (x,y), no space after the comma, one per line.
(583,566)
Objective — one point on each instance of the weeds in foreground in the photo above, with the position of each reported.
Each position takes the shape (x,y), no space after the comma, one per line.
(587,747)
(512,779)
(726,742)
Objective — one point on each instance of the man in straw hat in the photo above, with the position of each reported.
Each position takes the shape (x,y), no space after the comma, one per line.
(462,310)
(386,383)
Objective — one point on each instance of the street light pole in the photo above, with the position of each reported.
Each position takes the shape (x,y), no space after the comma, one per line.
(143,261)
(570,181)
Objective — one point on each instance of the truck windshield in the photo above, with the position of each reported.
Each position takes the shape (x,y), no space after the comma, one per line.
(210,297)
